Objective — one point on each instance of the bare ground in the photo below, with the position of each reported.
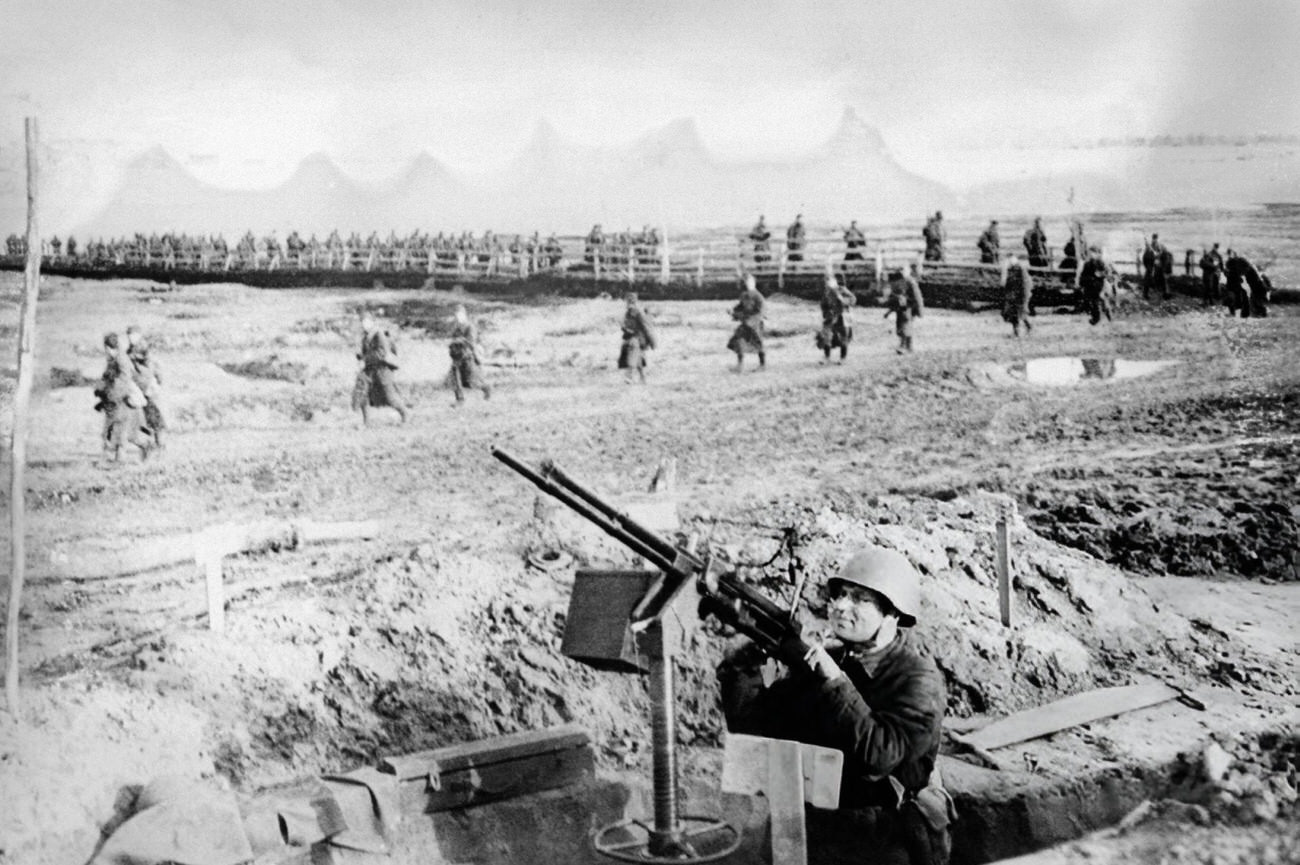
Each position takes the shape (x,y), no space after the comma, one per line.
(1157,532)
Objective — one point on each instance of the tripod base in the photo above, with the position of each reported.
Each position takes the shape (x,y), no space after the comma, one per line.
(695,839)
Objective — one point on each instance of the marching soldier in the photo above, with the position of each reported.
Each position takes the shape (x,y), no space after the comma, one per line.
(855,241)
(1036,245)
(748,336)
(466,365)
(990,245)
(905,304)
(1248,289)
(1019,291)
(122,402)
(1211,268)
(761,236)
(375,386)
(638,338)
(1093,279)
(794,239)
(148,377)
(836,331)
(935,236)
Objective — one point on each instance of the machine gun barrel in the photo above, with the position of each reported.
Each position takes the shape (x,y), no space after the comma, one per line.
(602,515)
(665,549)
(724,596)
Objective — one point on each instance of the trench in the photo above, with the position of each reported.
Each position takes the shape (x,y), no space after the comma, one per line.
(1000,816)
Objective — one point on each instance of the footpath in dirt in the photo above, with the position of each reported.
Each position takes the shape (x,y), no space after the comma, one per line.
(1155,532)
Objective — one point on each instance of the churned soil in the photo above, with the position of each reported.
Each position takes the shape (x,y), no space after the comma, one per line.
(1153,520)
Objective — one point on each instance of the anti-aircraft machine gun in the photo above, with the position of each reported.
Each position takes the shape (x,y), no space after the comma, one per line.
(635,621)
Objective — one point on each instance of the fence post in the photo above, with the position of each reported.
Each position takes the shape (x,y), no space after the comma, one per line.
(631,263)
(18,435)
(665,269)
(595,259)
(780,270)
(699,272)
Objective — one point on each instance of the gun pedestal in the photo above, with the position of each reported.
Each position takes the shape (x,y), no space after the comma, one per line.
(637,621)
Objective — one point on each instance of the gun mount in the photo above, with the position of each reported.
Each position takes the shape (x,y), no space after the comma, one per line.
(635,621)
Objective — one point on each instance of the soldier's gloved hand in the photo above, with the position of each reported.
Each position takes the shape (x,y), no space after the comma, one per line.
(792,651)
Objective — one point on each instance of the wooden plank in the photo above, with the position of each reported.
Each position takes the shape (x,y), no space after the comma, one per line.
(1069,712)
(745,769)
(485,752)
(95,559)
(784,791)
(489,783)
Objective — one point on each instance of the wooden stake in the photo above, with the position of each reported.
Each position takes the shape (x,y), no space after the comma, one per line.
(1004,568)
(216,592)
(18,439)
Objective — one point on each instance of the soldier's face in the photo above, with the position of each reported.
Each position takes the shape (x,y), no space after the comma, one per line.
(856,613)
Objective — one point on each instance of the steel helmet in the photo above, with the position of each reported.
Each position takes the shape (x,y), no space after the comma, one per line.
(886,572)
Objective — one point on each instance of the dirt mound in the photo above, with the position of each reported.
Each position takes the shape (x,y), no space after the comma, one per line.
(271,368)
(66,377)
(1222,506)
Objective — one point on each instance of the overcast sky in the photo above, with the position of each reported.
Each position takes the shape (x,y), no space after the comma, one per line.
(239,89)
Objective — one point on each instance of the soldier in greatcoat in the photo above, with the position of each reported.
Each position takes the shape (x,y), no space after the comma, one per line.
(1095,276)
(748,315)
(905,304)
(1017,293)
(375,385)
(990,245)
(836,331)
(122,402)
(638,338)
(1036,245)
(147,373)
(466,359)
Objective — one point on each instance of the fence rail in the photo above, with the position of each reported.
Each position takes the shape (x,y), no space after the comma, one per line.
(697,261)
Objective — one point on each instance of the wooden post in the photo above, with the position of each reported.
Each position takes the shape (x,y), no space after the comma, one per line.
(780,269)
(665,476)
(788,774)
(665,272)
(18,439)
(209,548)
(880,266)
(1004,566)
(631,262)
(216,591)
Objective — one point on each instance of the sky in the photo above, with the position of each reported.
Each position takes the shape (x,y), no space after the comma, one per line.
(240,90)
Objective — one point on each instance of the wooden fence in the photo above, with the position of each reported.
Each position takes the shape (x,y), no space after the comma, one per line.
(680,262)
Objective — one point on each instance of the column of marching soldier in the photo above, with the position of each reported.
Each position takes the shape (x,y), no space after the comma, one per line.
(129,393)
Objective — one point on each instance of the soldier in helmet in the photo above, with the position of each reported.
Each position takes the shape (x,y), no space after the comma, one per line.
(868,693)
